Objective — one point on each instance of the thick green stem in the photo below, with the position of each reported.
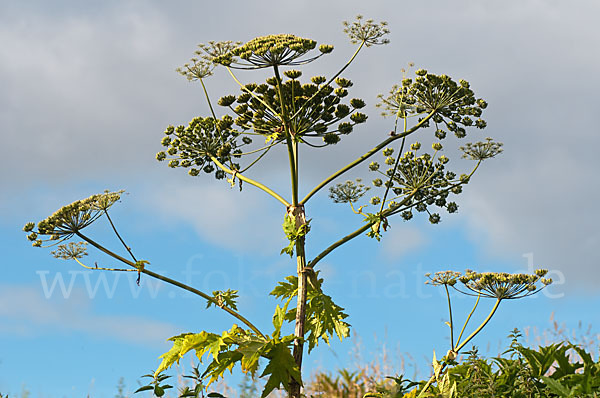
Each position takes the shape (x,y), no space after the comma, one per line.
(297,213)
(299,330)
(250,181)
(172,282)
(365,157)
(451,323)
(292,155)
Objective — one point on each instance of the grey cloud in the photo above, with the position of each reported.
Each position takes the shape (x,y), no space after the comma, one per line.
(95,88)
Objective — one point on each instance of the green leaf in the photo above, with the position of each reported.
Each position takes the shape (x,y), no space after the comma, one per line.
(323,317)
(278,319)
(224,299)
(251,351)
(293,233)
(556,387)
(281,367)
(224,361)
(285,290)
(173,355)
(158,391)
(143,388)
(201,342)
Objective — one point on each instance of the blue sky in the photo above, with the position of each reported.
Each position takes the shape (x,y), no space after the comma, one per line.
(88,89)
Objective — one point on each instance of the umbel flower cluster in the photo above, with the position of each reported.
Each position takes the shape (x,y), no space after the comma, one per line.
(498,285)
(417,181)
(272,50)
(284,109)
(70,219)
(453,105)
(202,142)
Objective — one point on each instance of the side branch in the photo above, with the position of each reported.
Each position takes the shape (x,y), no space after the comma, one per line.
(250,181)
(172,282)
(386,213)
(365,157)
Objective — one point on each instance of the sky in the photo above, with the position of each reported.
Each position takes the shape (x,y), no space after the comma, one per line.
(89,87)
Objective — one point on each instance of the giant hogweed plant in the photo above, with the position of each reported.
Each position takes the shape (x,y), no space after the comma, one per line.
(285,112)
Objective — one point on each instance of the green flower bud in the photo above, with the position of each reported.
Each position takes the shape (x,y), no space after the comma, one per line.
(480,123)
(377,182)
(345,128)
(443,159)
(407,215)
(220,174)
(452,207)
(390,161)
(357,103)
(226,100)
(375,200)
(161,156)
(342,111)
(416,146)
(29,227)
(421,72)
(374,166)
(165,141)
(318,80)
(436,146)
(325,48)
(388,151)
(173,163)
(243,98)
(440,134)
(343,83)
(434,218)
(481,103)
(358,117)
(172,151)
(169,130)
(246,140)
(194,172)
(341,92)
(293,74)
(331,138)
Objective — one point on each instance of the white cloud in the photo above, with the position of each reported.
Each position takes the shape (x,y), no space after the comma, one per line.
(237,221)
(402,239)
(26,312)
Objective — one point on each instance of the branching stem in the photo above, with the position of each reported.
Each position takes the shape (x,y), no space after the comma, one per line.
(366,156)
(250,181)
(163,278)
